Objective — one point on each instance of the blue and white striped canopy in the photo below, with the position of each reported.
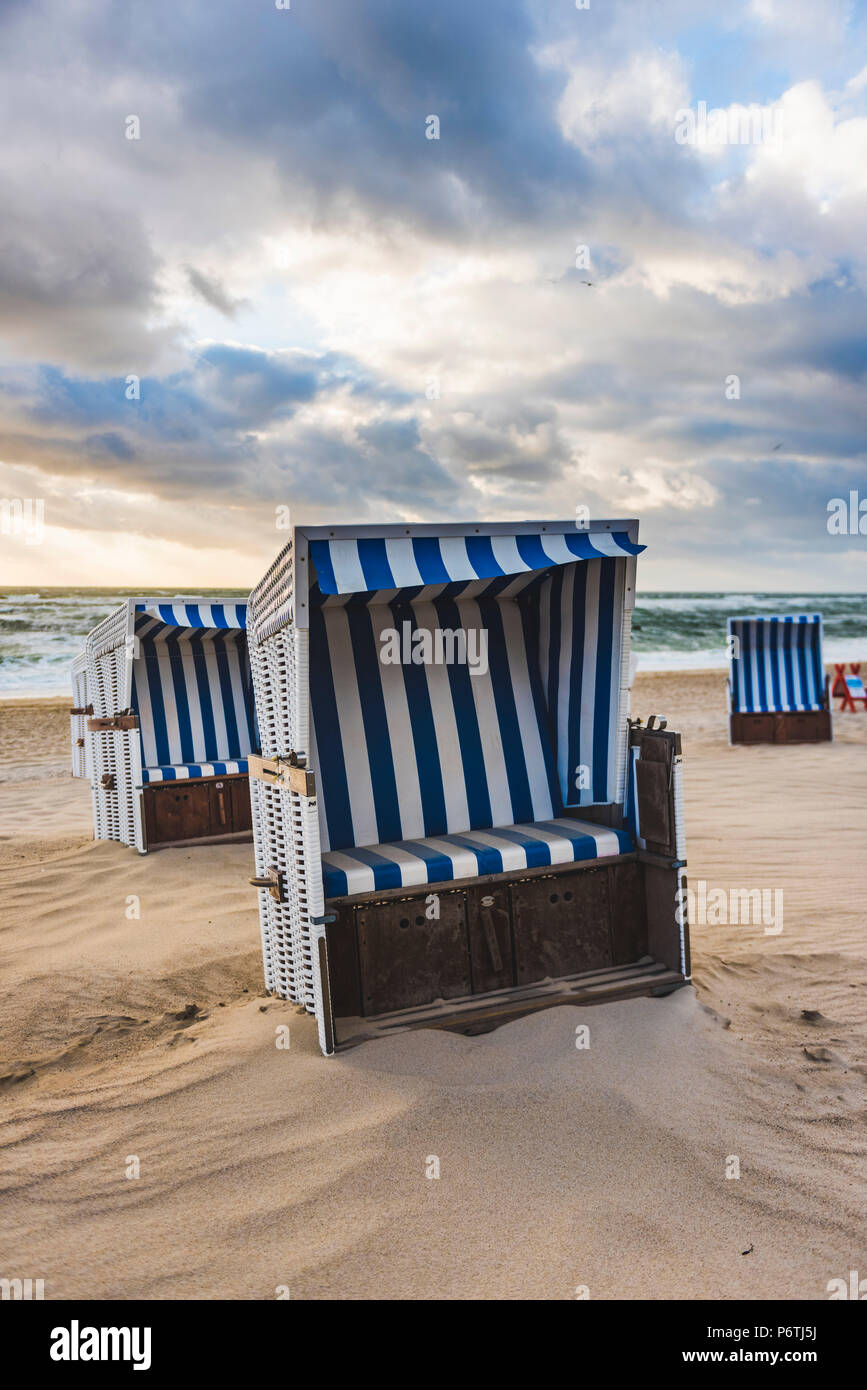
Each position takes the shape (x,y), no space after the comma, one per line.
(347,566)
(776,666)
(213,615)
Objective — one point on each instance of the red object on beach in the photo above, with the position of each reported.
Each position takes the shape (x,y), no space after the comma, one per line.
(849,687)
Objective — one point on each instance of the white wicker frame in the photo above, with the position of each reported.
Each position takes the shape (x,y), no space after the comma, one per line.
(286,823)
(78,722)
(109,652)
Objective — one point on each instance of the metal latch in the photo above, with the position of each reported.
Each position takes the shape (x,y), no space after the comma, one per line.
(107,782)
(107,723)
(81,709)
(286,771)
(272,879)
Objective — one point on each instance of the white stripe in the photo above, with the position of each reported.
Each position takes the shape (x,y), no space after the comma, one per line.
(346,564)
(356,756)
(606,841)
(453,550)
(507,555)
(532,749)
(463,861)
(359,877)
(400,733)
(593,571)
(560,849)
(493,755)
(402,563)
(567,602)
(445,728)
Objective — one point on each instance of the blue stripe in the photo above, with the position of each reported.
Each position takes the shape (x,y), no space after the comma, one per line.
(537,851)
(428,558)
(439,867)
(488,860)
(734,629)
(430,777)
(374,564)
(581,546)
(375,720)
(530,620)
(386,873)
(320,554)
(469,737)
(481,556)
(774,636)
(182,704)
(206,708)
(604,656)
(575,682)
(225,677)
(623,541)
(507,714)
(531,552)
(158,710)
(584,845)
(329,748)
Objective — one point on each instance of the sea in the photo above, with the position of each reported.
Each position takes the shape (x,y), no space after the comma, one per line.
(41,630)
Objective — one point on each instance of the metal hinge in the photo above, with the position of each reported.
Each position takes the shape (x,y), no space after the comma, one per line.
(287,771)
(272,879)
(81,709)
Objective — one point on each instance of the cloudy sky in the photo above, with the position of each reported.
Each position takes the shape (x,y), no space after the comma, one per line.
(284,292)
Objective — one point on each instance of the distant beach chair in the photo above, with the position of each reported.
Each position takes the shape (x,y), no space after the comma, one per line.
(848,686)
(169,722)
(777,687)
(442,843)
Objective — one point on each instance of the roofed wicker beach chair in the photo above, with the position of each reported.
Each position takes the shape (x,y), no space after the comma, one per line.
(777,688)
(455,822)
(169,722)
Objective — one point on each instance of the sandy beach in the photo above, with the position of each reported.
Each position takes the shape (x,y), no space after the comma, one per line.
(134,1026)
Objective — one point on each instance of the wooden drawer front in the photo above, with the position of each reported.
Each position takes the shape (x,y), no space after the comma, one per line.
(562,925)
(177,811)
(408,959)
(195,810)
(490,932)
(230,806)
(242,811)
(802,728)
(752,728)
(628,912)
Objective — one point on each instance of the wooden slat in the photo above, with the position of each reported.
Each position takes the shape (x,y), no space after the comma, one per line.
(478,1015)
(280,772)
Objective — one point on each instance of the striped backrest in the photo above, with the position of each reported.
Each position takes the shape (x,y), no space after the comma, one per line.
(405,750)
(192,692)
(580,620)
(776,663)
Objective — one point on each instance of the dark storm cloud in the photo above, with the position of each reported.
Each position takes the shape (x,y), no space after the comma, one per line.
(212,292)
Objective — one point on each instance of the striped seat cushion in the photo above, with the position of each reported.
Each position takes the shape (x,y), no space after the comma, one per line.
(444,858)
(179,772)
